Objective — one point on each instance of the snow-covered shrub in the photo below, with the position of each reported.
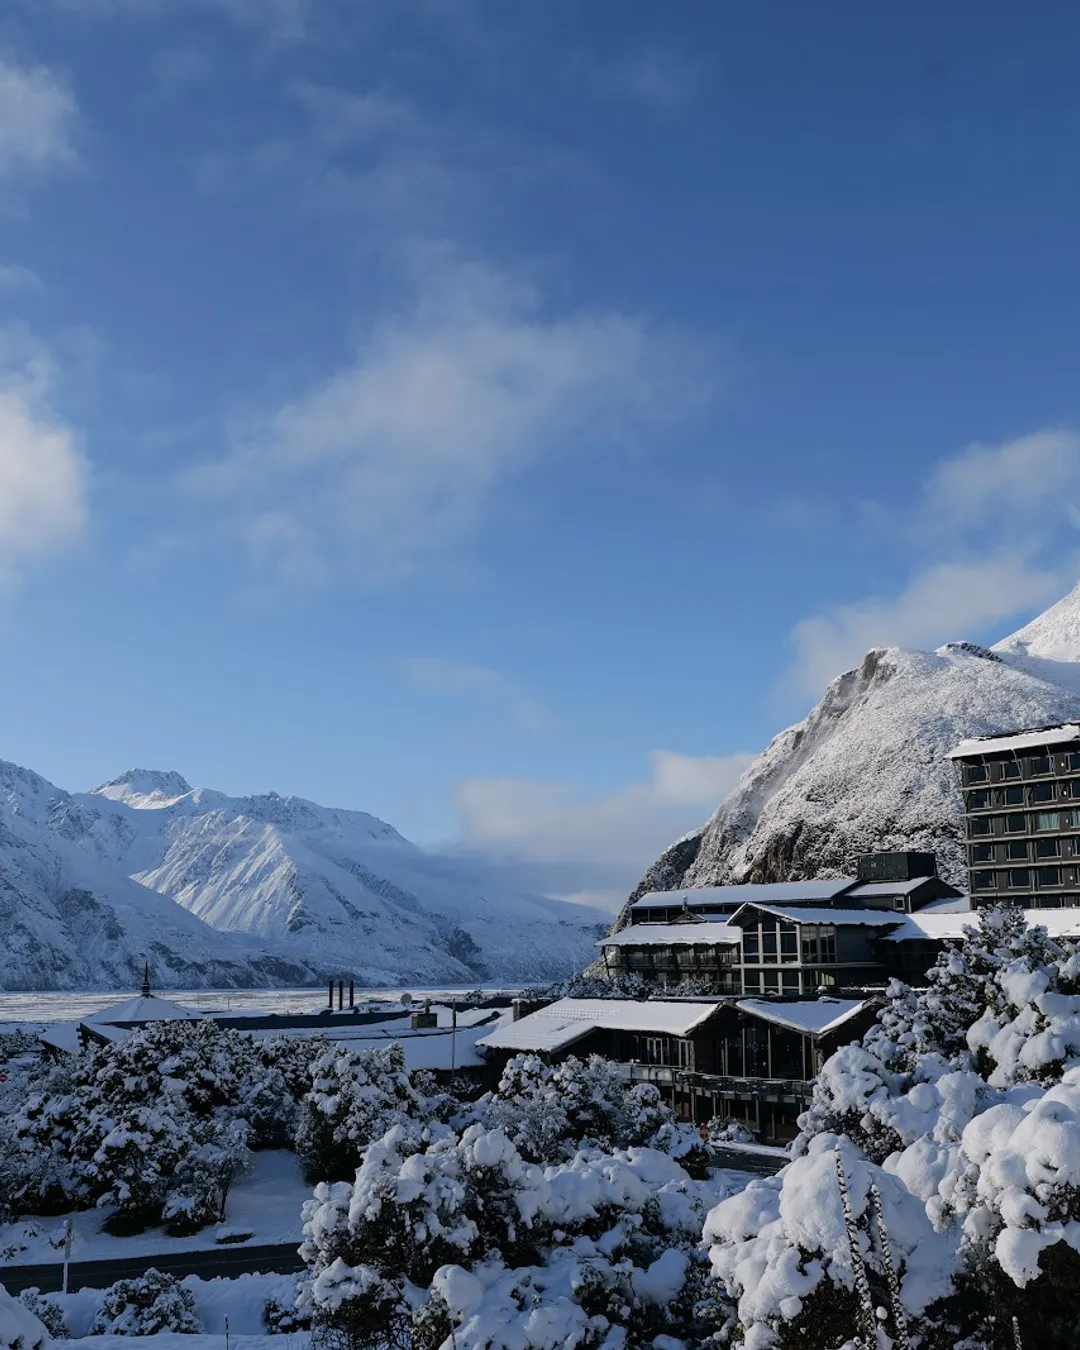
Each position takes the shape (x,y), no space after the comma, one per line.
(47,1313)
(356,1095)
(154,1302)
(199,1190)
(551,1111)
(20,1329)
(727,1130)
(283,1318)
(460,1232)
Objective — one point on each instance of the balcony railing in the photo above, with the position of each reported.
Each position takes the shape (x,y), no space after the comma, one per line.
(747,1089)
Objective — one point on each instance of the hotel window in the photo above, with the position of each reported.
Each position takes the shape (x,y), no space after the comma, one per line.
(1074,761)
(1049,876)
(977,773)
(752,981)
(1020,878)
(980,826)
(791,981)
(1016,850)
(789,942)
(828,946)
(1014,796)
(771,981)
(1010,769)
(768,947)
(1040,764)
(809,946)
(978,801)
(982,853)
(1048,820)
(982,881)
(1017,824)
(1048,848)
(1041,792)
(750,945)
(1070,901)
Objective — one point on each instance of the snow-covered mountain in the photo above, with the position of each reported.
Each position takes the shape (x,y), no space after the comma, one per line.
(217,890)
(867,769)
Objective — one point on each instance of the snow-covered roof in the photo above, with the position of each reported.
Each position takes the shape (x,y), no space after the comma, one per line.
(938,925)
(1063,734)
(424,1047)
(63,1036)
(813,1017)
(774,892)
(798,914)
(866,889)
(569,1019)
(142,1009)
(671,935)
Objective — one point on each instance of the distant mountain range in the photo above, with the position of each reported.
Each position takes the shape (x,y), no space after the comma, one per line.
(867,770)
(246,891)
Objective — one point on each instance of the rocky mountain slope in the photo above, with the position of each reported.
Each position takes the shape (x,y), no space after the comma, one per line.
(867,769)
(266,890)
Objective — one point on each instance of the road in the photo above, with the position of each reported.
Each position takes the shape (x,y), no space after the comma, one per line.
(747,1160)
(100,1274)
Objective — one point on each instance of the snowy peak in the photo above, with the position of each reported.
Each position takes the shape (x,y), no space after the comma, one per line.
(145,788)
(1053,636)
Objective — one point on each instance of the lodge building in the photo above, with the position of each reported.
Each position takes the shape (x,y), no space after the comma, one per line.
(1022,816)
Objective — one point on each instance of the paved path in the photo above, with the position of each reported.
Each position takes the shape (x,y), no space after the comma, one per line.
(747,1160)
(100,1274)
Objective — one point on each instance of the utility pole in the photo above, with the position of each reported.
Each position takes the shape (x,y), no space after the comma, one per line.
(67,1251)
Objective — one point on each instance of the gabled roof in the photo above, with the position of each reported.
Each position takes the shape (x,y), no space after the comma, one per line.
(797,914)
(866,889)
(773,892)
(142,1008)
(813,1017)
(671,935)
(570,1019)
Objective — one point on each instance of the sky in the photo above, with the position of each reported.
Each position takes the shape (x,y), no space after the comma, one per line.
(505,418)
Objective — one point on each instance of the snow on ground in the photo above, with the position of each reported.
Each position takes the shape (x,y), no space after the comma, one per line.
(239,1299)
(168,1340)
(265,1201)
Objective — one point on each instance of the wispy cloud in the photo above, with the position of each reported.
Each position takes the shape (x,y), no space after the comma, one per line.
(658,77)
(441,675)
(16,278)
(43,475)
(392,460)
(1006,513)
(599,843)
(38,116)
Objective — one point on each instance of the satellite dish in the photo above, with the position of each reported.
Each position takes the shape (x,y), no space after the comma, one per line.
(406,1000)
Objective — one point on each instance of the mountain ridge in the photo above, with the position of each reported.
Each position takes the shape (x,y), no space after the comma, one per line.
(866,769)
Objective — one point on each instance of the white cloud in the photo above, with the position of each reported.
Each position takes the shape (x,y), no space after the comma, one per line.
(1005,514)
(42,473)
(392,460)
(37,118)
(599,844)
(660,78)
(943,602)
(441,675)
(16,278)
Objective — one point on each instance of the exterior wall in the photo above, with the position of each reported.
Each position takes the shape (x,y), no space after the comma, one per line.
(1022,819)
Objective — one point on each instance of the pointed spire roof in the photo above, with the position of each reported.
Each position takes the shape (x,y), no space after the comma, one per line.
(145,990)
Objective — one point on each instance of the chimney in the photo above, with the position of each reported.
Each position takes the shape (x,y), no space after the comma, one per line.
(330,998)
(352,993)
(340,994)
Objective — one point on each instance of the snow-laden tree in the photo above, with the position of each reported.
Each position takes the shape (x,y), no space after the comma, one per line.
(355,1095)
(457,1240)
(551,1111)
(963,1103)
(19,1328)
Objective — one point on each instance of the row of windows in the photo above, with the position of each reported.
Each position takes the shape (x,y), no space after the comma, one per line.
(1036,794)
(1020,850)
(1019,822)
(1031,766)
(1021,878)
(781,943)
(786,981)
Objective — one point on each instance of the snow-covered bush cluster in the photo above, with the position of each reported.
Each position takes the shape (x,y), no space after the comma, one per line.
(154,1302)
(46,1312)
(156,1126)
(453,1237)
(962,1106)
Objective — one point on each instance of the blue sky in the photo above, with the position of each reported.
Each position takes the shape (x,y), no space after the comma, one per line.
(505,418)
